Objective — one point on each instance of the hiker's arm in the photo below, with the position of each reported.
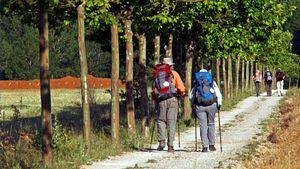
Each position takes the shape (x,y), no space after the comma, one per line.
(218,94)
(153,96)
(192,95)
(178,83)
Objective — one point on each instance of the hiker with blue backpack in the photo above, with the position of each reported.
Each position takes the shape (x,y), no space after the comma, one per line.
(167,85)
(206,100)
(268,81)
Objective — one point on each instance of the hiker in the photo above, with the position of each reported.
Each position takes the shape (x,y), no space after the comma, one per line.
(280,76)
(166,86)
(257,81)
(206,99)
(268,81)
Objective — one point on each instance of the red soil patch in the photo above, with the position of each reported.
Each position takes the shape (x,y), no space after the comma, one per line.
(63,83)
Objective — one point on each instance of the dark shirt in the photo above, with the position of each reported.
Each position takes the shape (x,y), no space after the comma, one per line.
(279,76)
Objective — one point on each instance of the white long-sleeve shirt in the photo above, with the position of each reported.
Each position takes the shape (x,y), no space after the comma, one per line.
(216,89)
(192,94)
(218,94)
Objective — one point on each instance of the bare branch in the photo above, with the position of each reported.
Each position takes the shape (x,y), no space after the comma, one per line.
(71,3)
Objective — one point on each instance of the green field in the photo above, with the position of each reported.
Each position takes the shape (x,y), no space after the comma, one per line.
(20,130)
(28,102)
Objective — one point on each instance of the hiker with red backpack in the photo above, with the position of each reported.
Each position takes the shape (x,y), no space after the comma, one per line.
(206,99)
(280,76)
(166,86)
(268,81)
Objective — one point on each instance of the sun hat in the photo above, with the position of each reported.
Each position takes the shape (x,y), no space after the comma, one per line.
(168,61)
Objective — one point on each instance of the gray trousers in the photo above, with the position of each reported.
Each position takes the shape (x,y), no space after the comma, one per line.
(166,120)
(206,115)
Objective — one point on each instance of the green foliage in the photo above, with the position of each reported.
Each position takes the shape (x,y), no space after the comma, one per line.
(19,46)
(99,61)
(98,15)
(19,53)
(63,53)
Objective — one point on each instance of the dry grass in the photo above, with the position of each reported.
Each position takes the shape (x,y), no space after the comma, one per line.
(282,151)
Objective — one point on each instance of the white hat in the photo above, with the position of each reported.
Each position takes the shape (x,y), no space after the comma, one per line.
(168,61)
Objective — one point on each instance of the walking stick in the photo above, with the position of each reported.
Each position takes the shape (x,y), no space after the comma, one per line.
(220,129)
(178,133)
(178,117)
(195,132)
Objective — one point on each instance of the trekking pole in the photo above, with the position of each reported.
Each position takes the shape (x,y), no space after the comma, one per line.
(178,133)
(195,132)
(220,129)
(179,125)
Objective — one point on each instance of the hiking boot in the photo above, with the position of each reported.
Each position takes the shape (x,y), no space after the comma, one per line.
(161,146)
(171,149)
(212,148)
(204,149)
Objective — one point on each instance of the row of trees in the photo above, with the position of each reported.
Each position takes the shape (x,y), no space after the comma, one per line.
(192,32)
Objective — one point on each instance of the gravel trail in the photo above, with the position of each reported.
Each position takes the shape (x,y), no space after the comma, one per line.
(238,127)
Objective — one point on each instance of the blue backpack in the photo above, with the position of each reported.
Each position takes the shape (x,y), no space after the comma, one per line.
(205,93)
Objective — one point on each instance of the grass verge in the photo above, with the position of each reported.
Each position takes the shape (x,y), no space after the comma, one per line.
(277,146)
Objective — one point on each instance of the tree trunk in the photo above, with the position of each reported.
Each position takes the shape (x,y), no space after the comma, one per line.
(156,49)
(243,76)
(218,71)
(45,84)
(230,84)
(83,78)
(273,79)
(168,48)
(225,96)
(261,67)
(237,75)
(129,77)
(143,84)
(188,79)
(115,84)
(256,66)
(247,76)
(251,75)
(290,81)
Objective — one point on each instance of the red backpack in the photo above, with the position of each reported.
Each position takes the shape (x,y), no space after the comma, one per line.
(163,86)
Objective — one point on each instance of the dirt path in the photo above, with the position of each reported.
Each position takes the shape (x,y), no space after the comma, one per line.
(239,126)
